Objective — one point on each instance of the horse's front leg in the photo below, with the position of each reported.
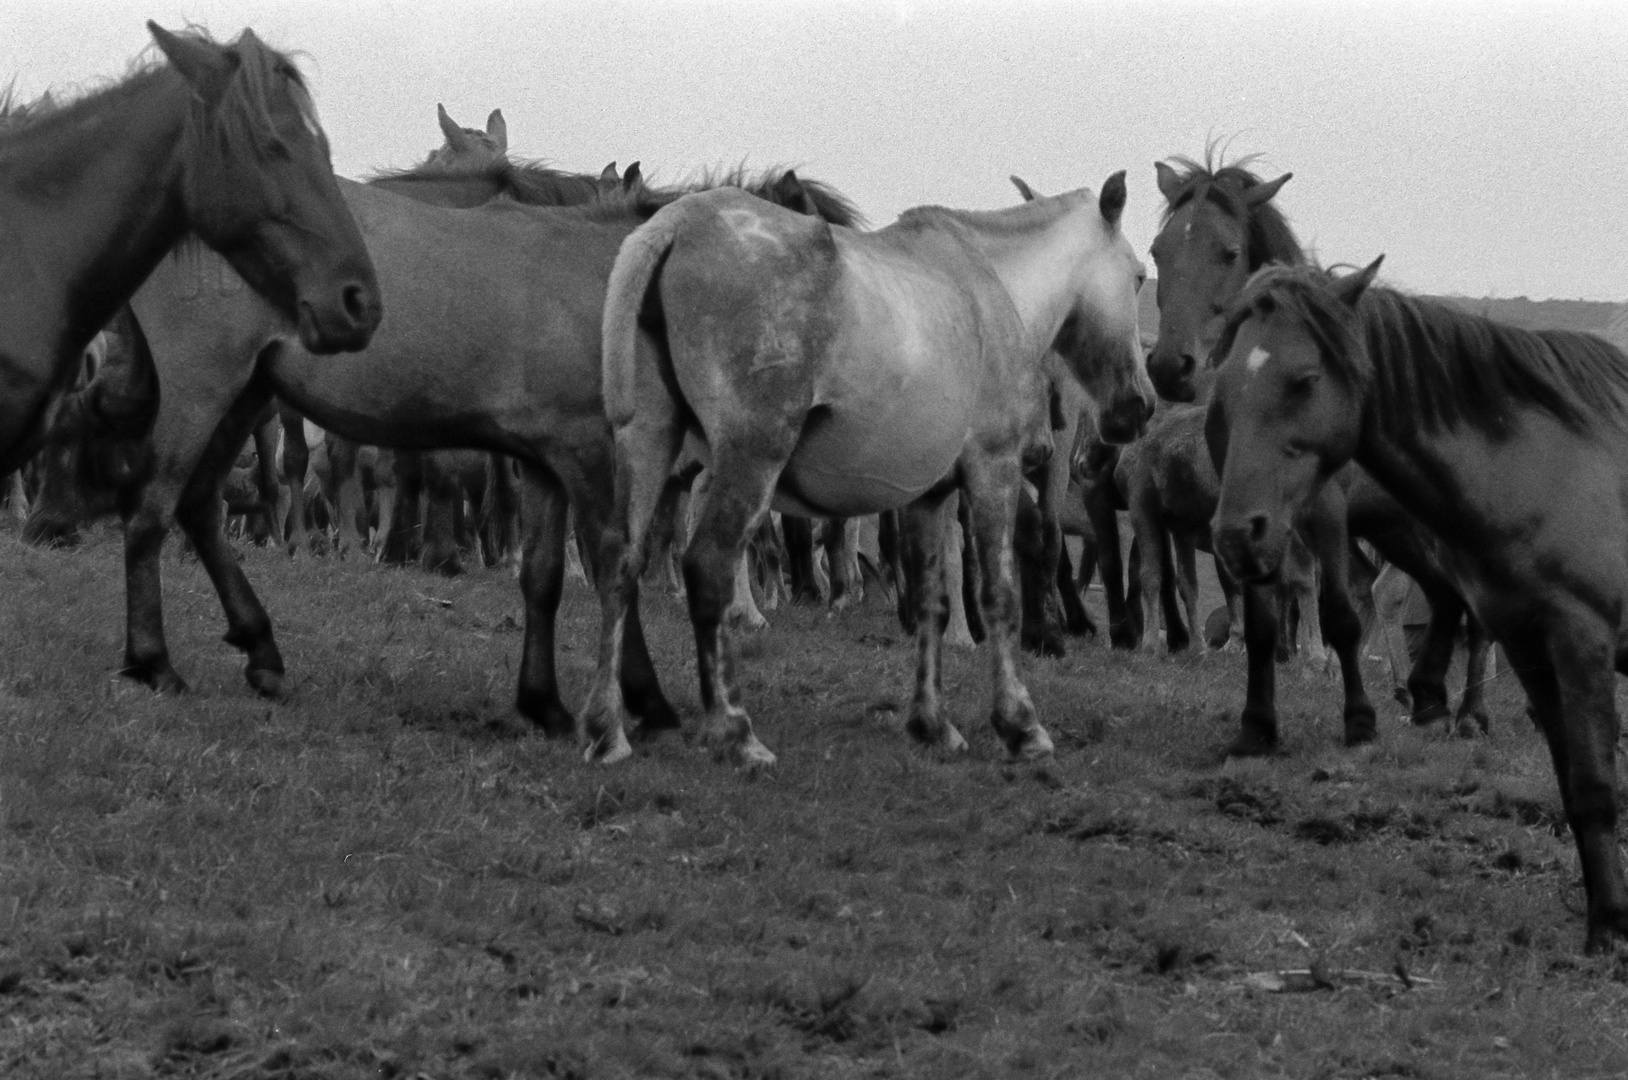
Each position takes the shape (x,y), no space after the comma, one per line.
(198,512)
(921,548)
(1571,683)
(1258,723)
(1479,668)
(1341,625)
(990,484)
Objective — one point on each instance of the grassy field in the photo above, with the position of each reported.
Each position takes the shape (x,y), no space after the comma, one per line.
(385,875)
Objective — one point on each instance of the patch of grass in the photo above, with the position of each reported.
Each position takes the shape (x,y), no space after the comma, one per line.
(386,874)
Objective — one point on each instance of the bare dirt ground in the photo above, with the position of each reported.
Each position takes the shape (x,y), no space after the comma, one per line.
(386,875)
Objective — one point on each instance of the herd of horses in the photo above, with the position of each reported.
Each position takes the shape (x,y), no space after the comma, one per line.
(609,337)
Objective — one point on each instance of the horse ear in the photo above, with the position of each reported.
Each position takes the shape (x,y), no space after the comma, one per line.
(1350,288)
(208,68)
(1262,193)
(1023,189)
(1169,182)
(632,178)
(608,180)
(790,193)
(456,139)
(1112,199)
(498,130)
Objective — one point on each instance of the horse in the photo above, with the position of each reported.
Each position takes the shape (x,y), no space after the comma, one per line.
(494,346)
(1221,224)
(221,143)
(1511,446)
(844,373)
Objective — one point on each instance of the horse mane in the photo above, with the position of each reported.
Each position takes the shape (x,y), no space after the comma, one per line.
(1006,219)
(643,200)
(528,182)
(1431,364)
(1216,181)
(240,123)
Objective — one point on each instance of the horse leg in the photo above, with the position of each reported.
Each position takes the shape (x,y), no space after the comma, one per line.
(404,538)
(1301,573)
(847,590)
(1035,579)
(953,545)
(1337,614)
(1390,605)
(1258,723)
(1479,669)
(1185,565)
(1105,523)
(738,496)
(542,582)
(17,493)
(296,461)
(146,524)
(441,498)
(990,486)
(348,499)
(972,571)
(921,535)
(1427,682)
(1570,682)
(199,513)
(646,449)
(1076,619)
(799,533)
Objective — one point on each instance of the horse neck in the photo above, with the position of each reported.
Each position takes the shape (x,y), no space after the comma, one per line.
(101,182)
(456,193)
(1038,261)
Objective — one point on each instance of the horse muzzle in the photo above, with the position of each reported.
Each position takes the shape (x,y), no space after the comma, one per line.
(342,322)
(1172,374)
(1126,419)
(1251,547)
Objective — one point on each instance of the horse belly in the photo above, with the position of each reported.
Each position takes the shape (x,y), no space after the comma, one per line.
(877,455)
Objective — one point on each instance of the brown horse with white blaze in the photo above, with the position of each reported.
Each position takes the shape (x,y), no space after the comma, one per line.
(844,373)
(1510,446)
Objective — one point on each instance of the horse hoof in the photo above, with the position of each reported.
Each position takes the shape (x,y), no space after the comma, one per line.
(1472,726)
(654,718)
(1255,738)
(160,680)
(266,683)
(609,749)
(752,756)
(1033,745)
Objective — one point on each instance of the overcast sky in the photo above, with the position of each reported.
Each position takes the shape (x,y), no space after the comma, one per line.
(1482,147)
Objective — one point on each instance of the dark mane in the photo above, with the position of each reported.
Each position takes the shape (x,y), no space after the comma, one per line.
(535,184)
(1433,365)
(642,201)
(240,125)
(526,182)
(1271,240)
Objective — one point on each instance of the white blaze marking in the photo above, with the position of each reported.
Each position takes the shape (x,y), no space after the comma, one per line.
(1257,356)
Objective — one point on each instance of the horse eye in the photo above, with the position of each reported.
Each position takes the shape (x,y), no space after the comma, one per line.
(1229,256)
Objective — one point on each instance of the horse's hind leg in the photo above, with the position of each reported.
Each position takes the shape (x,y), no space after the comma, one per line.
(542,580)
(1427,681)
(955,553)
(1036,578)
(841,553)
(1185,565)
(922,547)
(990,485)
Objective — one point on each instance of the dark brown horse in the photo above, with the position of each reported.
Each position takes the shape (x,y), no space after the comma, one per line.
(1510,446)
(1222,224)
(495,346)
(221,142)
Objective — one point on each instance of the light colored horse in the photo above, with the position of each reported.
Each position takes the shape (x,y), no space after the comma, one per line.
(844,373)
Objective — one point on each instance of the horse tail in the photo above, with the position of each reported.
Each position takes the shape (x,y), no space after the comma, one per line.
(637,262)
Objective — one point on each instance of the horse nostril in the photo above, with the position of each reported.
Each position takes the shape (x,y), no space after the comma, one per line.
(354,299)
(1257,528)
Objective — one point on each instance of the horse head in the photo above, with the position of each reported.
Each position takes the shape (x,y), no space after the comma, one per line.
(257,185)
(1219,228)
(470,148)
(1287,409)
(1097,338)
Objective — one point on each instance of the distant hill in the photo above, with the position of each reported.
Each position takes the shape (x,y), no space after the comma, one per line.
(1610,321)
